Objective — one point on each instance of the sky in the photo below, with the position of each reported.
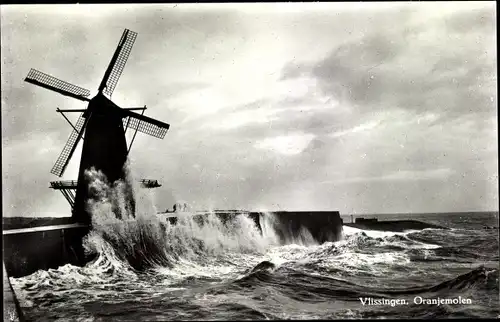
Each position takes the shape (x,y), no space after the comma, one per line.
(357,107)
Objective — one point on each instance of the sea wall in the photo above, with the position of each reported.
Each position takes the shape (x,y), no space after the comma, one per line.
(27,250)
(392,225)
(322,226)
(11,308)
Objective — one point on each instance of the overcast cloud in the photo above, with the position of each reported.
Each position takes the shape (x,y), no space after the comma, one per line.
(358,107)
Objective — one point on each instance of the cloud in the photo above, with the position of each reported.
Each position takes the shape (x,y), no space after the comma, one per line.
(360,128)
(265,103)
(286,144)
(404,175)
(406,65)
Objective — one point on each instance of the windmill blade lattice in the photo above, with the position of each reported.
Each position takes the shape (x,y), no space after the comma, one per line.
(118,61)
(41,79)
(146,125)
(68,150)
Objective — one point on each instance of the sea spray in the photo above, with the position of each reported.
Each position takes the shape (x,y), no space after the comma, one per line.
(109,200)
(279,233)
(145,240)
(210,235)
(133,239)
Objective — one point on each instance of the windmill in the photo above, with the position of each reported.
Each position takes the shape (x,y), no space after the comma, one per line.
(104,124)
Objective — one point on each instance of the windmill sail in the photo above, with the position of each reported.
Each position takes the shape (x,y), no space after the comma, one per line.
(54,84)
(145,124)
(120,57)
(69,148)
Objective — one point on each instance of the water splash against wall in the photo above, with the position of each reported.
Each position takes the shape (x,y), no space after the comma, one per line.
(148,240)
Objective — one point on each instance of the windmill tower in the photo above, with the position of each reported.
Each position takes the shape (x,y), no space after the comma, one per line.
(104,124)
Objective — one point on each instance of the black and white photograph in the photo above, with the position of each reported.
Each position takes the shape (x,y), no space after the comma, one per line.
(249,161)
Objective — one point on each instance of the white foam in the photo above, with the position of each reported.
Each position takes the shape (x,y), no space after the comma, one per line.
(351,231)
(348,231)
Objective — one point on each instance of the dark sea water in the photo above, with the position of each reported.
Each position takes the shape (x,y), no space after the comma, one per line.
(210,271)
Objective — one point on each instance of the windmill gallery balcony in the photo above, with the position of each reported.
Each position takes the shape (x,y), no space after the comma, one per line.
(67,186)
